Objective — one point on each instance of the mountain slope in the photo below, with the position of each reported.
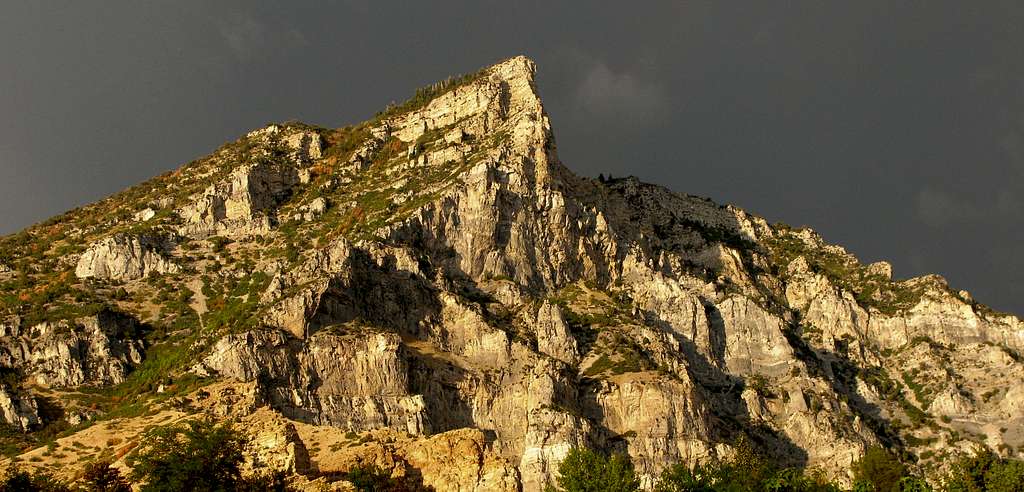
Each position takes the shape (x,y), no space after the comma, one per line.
(437,268)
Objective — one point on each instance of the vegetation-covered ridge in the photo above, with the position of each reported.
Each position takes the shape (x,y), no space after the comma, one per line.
(218,288)
(872,287)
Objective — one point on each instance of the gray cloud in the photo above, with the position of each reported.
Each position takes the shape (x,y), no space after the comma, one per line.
(1013,144)
(244,35)
(622,95)
(1008,203)
(249,38)
(938,208)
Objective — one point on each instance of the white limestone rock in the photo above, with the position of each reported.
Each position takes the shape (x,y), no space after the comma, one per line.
(20,411)
(124,257)
(95,350)
(144,214)
(553,335)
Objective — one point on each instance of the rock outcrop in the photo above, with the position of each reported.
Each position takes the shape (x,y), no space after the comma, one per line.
(21,412)
(244,202)
(94,350)
(356,381)
(124,257)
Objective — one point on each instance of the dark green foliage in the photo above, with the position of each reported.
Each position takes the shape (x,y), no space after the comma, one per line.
(371,479)
(18,480)
(48,297)
(985,471)
(234,303)
(913,484)
(428,137)
(14,442)
(10,377)
(196,455)
(747,470)
(921,393)
(343,141)
(884,385)
(624,356)
(760,384)
(717,234)
(1007,476)
(879,470)
(120,294)
(585,470)
(99,476)
(161,360)
(915,414)
(618,309)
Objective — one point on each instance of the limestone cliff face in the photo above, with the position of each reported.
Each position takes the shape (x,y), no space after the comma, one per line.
(124,257)
(240,203)
(95,350)
(20,411)
(438,270)
(355,381)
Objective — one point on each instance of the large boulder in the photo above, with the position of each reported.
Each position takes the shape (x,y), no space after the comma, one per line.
(124,257)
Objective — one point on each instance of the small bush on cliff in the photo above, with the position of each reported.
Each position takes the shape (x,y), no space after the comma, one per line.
(881,471)
(371,479)
(585,470)
(195,455)
(99,476)
(983,472)
(746,470)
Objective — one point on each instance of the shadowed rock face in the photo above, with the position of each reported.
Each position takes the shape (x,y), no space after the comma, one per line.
(438,269)
(20,412)
(94,350)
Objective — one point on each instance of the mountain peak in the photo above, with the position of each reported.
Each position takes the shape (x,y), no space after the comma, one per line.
(436,268)
(515,67)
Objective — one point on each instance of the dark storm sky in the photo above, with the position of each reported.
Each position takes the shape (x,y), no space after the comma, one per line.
(895,129)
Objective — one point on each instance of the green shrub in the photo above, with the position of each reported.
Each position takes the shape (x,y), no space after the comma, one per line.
(985,471)
(585,470)
(746,470)
(761,385)
(99,476)
(426,94)
(370,479)
(879,470)
(219,243)
(194,455)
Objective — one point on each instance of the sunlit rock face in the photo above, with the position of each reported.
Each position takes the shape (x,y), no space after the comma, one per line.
(438,273)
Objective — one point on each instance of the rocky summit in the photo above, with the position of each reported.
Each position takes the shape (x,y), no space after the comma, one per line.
(434,293)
